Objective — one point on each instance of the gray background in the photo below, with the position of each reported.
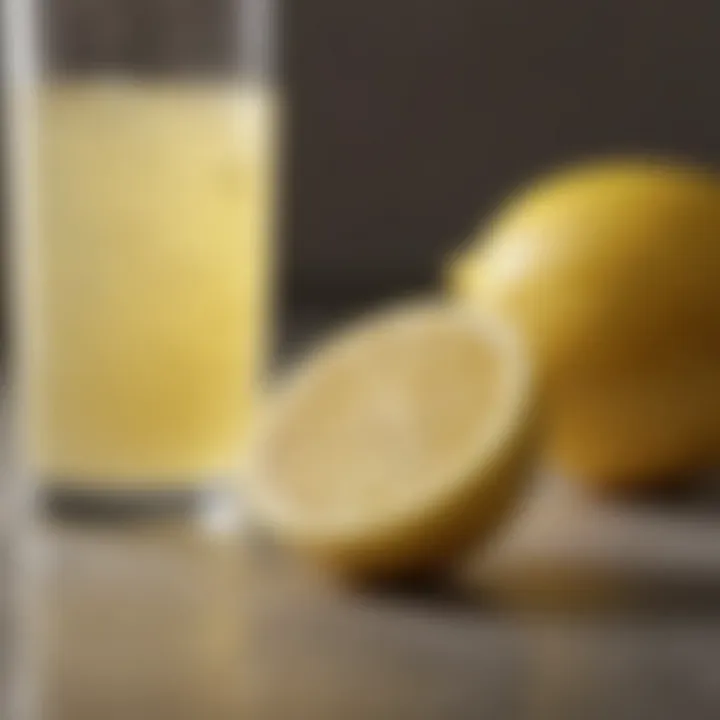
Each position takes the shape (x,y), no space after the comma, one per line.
(411,118)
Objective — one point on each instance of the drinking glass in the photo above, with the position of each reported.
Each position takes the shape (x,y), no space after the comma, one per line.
(142,186)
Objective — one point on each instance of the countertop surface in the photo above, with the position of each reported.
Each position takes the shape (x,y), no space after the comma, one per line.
(581,613)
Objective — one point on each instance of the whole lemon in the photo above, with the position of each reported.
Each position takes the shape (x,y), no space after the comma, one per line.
(612,272)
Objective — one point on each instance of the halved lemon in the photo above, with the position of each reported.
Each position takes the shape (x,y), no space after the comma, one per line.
(398,443)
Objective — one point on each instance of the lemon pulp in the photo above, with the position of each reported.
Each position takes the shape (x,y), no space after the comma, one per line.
(398,442)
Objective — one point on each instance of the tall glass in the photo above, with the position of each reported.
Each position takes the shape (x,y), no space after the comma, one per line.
(145,253)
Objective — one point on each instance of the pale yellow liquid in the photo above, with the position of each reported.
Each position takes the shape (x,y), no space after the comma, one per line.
(148,287)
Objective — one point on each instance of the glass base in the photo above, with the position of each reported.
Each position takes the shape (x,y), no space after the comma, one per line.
(213,503)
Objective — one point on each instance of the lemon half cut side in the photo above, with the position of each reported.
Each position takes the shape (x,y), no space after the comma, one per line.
(398,443)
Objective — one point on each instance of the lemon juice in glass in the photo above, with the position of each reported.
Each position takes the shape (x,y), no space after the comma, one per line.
(147,287)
